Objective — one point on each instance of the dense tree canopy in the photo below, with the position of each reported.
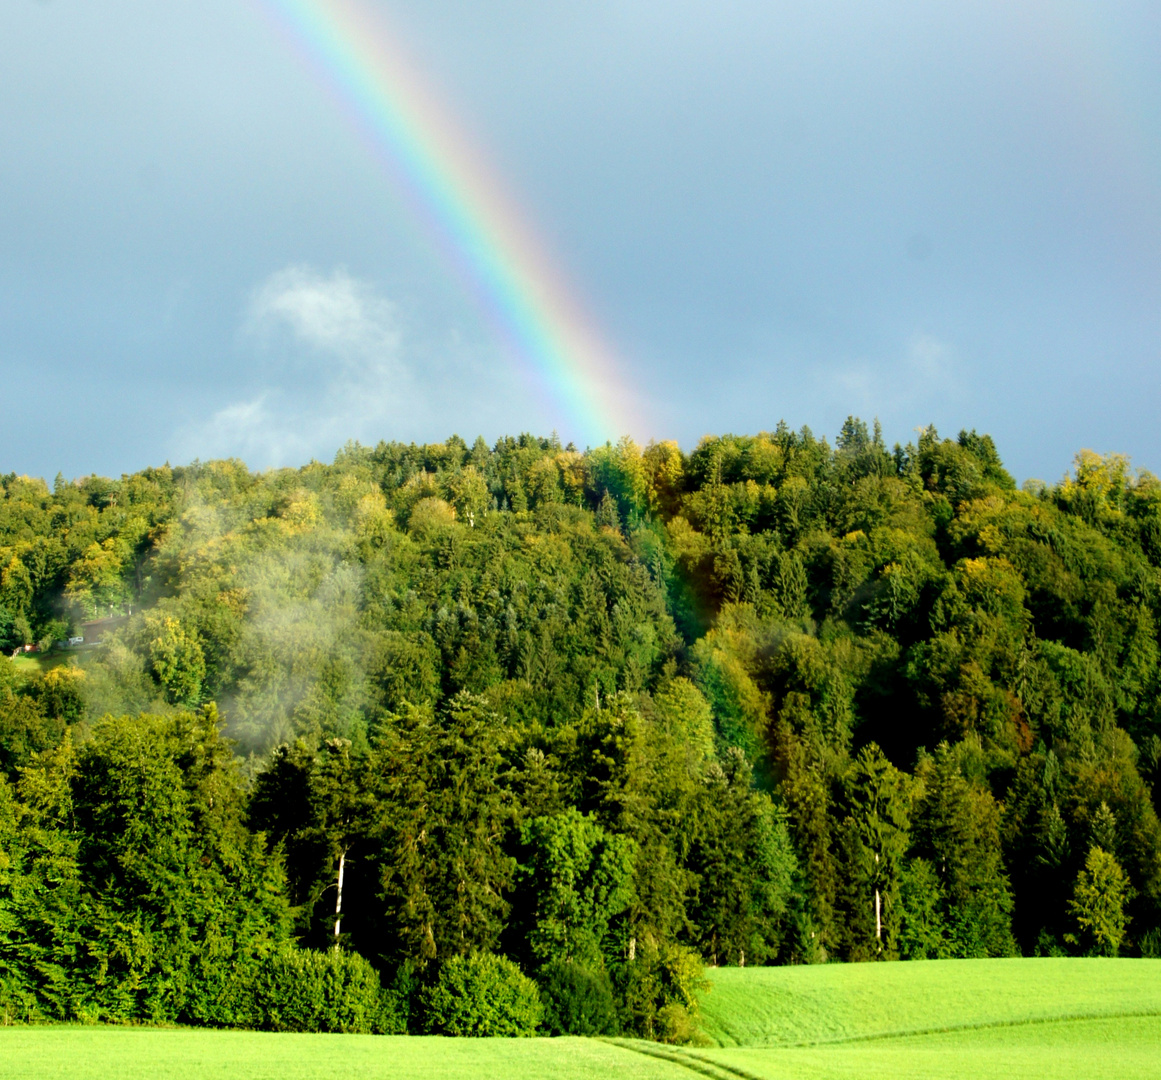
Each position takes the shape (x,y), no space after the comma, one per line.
(611,714)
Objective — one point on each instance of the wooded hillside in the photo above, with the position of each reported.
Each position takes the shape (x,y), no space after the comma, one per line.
(609,714)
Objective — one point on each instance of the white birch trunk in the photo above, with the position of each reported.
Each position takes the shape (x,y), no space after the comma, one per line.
(339,896)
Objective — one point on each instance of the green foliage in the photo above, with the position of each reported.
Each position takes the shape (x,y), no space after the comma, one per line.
(312,805)
(482,994)
(24,730)
(958,832)
(576,880)
(876,839)
(618,712)
(922,933)
(659,989)
(42,900)
(177,661)
(440,816)
(136,892)
(96,580)
(1098,902)
(304,990)
(577,1000)
(745,866)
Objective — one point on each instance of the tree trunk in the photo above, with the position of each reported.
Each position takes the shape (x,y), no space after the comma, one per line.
(339,896)
(878,917)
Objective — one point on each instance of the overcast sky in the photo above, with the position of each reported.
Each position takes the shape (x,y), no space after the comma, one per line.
(927,212)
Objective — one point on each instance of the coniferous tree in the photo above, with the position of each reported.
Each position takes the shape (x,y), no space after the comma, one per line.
(744,864)
(957,825)
(1098,901)
(875,840)
(441,815)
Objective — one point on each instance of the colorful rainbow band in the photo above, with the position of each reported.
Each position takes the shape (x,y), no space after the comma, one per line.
(464,210)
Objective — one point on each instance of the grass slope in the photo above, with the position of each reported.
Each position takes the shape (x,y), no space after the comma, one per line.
(98,1053)
(935,1020)
(834,1002)
(1113,1049)
(29,665)
(1043,1019)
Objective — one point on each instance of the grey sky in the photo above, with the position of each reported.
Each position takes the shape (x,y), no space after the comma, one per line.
(928,212)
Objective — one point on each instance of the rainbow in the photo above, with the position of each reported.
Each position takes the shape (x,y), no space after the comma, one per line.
(464,208)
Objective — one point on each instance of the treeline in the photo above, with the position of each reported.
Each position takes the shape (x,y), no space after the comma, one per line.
(524,725)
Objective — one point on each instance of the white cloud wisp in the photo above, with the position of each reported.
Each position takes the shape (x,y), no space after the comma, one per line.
(333,370)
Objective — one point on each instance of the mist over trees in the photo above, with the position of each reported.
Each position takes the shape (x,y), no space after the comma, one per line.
(549,730)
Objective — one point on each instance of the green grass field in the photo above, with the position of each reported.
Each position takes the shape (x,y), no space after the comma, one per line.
(102,1053)
(936,1020)
(833,1002)
(30,665)
(1126,1048)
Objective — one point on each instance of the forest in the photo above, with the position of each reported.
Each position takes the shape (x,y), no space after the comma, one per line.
(497,739)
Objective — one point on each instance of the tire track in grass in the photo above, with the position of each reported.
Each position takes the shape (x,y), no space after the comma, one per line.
(692,1061)
(719,1070)
(951,1029)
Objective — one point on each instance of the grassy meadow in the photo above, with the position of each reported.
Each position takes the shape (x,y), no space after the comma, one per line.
(786,1006)
(1124,1048)
(99,1053)
(937,1020)
(30,665)
(933,1020)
